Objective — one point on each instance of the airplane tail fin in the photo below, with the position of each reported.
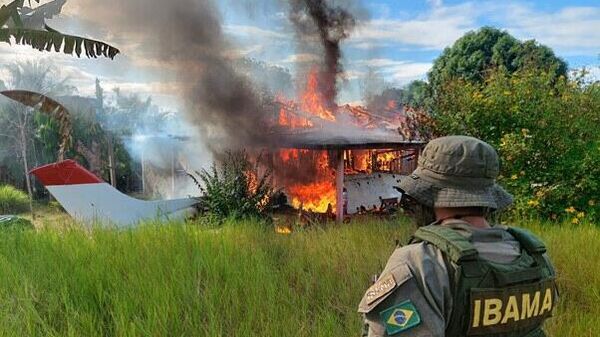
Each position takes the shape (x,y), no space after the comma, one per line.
(67,172)
(90,199)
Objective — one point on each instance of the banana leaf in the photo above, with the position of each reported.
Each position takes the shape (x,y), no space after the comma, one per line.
(25,28)
(51,39)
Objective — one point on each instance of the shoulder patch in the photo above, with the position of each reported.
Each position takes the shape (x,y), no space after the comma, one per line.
(383,286)
(400,317)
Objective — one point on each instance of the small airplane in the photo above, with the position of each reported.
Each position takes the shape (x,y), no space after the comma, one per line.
(91,200)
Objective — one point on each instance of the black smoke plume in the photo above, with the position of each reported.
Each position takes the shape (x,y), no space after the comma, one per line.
(185,36)
(331,25)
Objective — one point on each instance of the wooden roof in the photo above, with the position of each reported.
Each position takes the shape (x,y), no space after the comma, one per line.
(364,139)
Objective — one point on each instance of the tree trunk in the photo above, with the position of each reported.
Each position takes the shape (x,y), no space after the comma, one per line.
(143,173)
(26,168)
(112,169)
(173,171)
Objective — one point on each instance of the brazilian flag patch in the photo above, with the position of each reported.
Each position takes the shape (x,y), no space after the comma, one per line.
(400,317)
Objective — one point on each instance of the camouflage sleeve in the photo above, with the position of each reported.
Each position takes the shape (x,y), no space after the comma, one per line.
(411,296)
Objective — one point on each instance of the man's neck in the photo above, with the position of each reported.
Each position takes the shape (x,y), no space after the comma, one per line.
(473,220)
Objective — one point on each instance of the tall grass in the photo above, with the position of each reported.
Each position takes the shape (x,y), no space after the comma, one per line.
(575,250)
(12,200)
(237,280)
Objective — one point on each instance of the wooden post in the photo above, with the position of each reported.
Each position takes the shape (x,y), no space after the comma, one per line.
(173,171)
(339,187)
(112,166)
(143,173)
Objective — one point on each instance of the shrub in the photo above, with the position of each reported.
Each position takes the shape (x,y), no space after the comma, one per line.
(234,188)
(545,131)
(12,200)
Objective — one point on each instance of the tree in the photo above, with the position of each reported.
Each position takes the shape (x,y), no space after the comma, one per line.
(18,133)
(477,52)
(416,94)
(18,121)
(545,131)
(28,27)
(52,108)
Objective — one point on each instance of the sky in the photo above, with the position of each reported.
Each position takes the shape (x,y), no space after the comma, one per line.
(397,39)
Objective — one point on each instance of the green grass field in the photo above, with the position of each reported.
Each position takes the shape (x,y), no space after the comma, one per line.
(237,280)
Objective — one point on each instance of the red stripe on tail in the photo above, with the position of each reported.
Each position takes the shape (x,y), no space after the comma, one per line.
(66,172)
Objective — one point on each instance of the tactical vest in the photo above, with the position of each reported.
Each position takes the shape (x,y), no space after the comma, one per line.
(495,299)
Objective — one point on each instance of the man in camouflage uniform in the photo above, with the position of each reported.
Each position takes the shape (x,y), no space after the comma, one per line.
(460,275)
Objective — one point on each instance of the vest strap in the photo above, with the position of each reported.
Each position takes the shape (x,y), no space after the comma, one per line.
(454,245)
(530,242)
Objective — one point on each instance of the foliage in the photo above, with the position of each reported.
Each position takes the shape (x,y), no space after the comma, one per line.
(27,31)
(546,130)
(38,76)
(477,52)
(21,125)
(92,123)
(235,189)
(46,105)
(417,94)
(12,200)
(45,133)
(242,280)
(131,113)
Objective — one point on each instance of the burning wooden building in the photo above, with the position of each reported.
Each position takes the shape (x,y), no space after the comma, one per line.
(342,159)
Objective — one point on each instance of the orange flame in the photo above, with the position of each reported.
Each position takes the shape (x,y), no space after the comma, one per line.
(312,101)
(361,160)
(316,190)
(317,196)
(285,230)
(288,117)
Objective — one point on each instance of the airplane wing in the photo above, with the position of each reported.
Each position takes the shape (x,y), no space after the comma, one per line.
(89,199)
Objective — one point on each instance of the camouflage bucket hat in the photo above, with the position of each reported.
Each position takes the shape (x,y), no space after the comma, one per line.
(457,171)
